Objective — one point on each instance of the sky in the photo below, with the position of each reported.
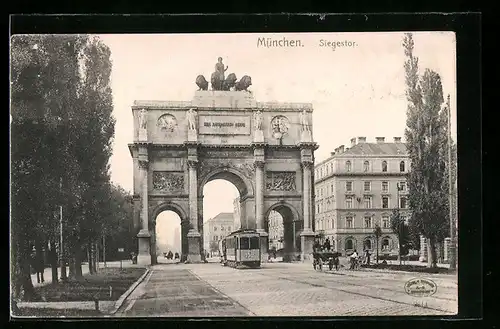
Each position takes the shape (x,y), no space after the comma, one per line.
(356,90)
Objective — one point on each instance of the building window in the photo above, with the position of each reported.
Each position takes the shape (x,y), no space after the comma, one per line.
(333,222)
(402,186)
(368,222)
(385,187)
(348,186)
(367,202)
(366,166)
(215,237)
(348,202)
(229,228)
(331,167)
(215,229)
(349,245)
(385,202)
(384,166)
(318,208)
(402,166)
(368,186)
(348,222)
(222,228)
(402,202)
(332,188)
(348,166)
(385,244)
(385,221)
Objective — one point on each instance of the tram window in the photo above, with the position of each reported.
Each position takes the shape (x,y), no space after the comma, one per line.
(254,242)
(244,243)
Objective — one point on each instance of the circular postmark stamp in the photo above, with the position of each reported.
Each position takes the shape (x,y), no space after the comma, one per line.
(420,287)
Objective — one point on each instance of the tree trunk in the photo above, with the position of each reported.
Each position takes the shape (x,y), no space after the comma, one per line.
(25,272)
(89,259)
(53,262)
(78,263)
(93,256)
(377,249)
(72,266)
(431,253)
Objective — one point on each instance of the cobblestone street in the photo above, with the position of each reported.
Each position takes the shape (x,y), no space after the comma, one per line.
(283,289)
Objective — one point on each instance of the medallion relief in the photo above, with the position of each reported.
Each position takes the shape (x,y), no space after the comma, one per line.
(167,123)
(280,181)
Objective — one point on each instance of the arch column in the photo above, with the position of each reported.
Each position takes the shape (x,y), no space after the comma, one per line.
(144,237)
(193,235)
(259,163)
(307,235)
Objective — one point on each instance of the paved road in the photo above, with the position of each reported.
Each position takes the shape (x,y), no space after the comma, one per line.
(282,289)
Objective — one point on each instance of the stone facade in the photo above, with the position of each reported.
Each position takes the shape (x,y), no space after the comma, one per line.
(180,146)
(357,188)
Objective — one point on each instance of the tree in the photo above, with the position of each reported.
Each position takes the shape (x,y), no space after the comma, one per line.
(426,132)
(377,232)
(400,228)
(61,134)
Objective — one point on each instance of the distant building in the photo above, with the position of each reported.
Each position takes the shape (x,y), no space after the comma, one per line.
(357,188)
(237,214)
(217,228)
(276,230)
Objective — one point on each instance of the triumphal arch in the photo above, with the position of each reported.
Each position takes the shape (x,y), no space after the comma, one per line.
(265,149)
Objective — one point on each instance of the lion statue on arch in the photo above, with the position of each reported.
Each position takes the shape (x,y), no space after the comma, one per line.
(243,84)
(201,82)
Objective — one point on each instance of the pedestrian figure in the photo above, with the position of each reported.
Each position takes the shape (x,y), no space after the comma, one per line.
(38,266)
(327,245)
(367,256)
(354,259)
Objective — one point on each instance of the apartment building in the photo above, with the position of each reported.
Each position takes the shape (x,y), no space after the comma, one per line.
(358,187)
(217,228)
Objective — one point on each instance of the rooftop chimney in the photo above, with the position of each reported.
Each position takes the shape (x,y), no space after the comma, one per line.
(353,141)
(397,139)
(361,139)
(380,139)
(332,153)
(341,149)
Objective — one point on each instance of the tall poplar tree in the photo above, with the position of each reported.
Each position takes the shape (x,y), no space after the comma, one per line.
(426,136)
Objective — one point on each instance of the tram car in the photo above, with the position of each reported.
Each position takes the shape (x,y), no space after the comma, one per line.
(241,249)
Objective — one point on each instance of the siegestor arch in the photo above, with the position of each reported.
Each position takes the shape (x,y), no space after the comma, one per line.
(172,206)
(232,175)
(284,209)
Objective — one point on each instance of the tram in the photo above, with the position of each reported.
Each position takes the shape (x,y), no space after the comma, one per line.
(241,248)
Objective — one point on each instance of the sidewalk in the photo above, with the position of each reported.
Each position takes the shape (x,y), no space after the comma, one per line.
(47,274)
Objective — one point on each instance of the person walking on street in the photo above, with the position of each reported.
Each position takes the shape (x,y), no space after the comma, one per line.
(354,259)
(367,256)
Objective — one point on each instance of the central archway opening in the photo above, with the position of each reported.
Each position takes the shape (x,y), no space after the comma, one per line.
(220,197)
(284,230)
(171,243)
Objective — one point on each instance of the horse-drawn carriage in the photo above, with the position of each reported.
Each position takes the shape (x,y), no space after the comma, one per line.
(325,256)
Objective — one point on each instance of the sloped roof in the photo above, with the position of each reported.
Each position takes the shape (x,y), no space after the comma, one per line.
(223,216)
(376,149)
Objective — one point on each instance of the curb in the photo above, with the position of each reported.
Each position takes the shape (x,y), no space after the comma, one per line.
(127,293)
